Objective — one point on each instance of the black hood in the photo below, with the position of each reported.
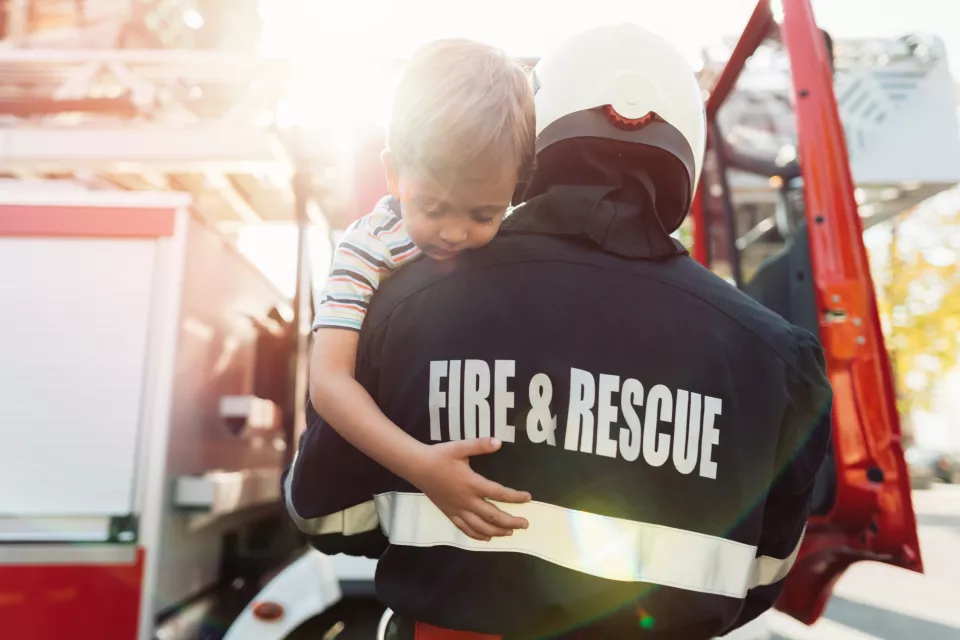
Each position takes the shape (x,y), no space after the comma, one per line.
(602,190)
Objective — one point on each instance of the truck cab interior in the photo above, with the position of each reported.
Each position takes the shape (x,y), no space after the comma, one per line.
(783,283)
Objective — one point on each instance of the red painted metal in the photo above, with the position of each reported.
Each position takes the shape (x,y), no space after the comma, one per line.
(426,631)
(872,517)
(82,602)
(85,221)
(756,31)
(877,516)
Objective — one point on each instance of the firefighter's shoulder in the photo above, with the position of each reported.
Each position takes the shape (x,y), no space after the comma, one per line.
(726,308)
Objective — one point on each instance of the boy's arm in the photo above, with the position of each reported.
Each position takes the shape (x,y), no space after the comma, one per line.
(342,401)
(441,471)
(328,492)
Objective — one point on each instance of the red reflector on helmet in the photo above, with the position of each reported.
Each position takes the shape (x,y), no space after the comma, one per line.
(268,611)
(627,124)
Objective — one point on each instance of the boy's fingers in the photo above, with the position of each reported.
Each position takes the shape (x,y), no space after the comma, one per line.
(484,528)
(500,518)
(495,491)
(475,447)
(463,526)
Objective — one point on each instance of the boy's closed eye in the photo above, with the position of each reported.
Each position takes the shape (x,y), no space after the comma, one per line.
(487,215)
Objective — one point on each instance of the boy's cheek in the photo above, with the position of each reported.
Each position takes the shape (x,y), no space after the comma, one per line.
(415,230)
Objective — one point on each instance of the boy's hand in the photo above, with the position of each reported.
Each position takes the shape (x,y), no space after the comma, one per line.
(445,476)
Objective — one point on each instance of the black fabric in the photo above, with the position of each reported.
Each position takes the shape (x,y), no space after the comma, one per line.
(631,170)
(627,623)
(613,222)
(657,147)
(551,300)
(784,284)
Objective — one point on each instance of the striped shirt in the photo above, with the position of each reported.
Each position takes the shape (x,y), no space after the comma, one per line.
(370,250)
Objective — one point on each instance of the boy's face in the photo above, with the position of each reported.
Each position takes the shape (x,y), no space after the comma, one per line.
(447,214)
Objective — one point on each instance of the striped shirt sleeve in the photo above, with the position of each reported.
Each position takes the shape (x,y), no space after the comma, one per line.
(369,251)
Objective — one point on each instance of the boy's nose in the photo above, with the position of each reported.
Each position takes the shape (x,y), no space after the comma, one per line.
(453,235)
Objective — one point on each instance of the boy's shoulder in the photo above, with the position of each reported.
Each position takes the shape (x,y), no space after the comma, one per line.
(380,238)
(383,220)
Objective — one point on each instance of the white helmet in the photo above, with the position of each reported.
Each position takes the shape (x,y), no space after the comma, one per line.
(625,83)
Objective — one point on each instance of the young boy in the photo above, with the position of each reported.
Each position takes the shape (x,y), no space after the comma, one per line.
(461,133)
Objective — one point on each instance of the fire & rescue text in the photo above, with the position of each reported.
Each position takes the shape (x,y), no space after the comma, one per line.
(478,397)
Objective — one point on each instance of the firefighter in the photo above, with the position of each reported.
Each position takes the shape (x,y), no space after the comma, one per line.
(667,426)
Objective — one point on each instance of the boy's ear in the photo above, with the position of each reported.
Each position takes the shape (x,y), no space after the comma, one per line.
(390,170)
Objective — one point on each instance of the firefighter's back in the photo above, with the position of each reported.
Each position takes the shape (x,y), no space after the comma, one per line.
(641,402)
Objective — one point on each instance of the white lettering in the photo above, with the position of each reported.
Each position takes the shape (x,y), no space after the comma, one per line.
(503,400)
(477,398)
(476,408)
(630,395)
(437,399)
(712,407)
(541,424)
(686,436)
(606,415)
(580,412)
(656,450)
(453,400)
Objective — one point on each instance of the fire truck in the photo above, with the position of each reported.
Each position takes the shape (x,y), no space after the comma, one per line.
(153,376)
(842,173)
(810,142)
(149,368)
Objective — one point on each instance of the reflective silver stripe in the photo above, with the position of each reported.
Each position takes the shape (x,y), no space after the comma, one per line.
(768,570)
(351,521)
(601,546)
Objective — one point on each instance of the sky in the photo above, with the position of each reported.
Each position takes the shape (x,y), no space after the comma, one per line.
(335,31)
(340,41)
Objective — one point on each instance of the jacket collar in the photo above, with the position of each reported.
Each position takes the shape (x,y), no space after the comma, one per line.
(594,213)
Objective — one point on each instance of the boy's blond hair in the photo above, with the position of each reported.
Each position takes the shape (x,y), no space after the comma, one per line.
(459,102)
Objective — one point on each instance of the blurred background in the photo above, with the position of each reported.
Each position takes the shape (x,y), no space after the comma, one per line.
(316,78)
(271,112)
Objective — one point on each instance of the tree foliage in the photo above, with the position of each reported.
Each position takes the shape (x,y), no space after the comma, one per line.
(916,264)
